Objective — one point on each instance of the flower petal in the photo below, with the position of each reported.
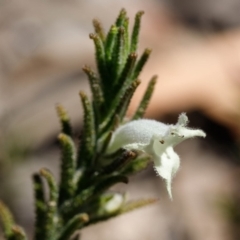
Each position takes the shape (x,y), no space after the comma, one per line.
(138,131)
(182,120)
(166,166)
(186,133)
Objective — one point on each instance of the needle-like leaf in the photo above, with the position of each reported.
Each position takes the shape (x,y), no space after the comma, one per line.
(100,55)
(7,220)
(40,208)
(51,216)
(72,225)
(97,92)
(140,63)
(99,29)
(135,32)
(88,141)
(145,100)
(68,168)
(64,119)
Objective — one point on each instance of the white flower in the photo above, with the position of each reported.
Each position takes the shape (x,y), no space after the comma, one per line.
(157,140)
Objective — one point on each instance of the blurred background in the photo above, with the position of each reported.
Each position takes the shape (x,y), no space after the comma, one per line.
(196,54)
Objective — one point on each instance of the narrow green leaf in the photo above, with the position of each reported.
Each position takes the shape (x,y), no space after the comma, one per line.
(126,41)
(88,141)
(140,63)
(130,206)
(101,217)
(53,189)
(96,89)
(7,220)
(64,119)
(110,43)
(40,208)
(135,204)
(18,233)
(99,29)
(121,18)
(145,100)
(125,100)
(104,144)
(51,216)
(76,223)
(118,59)
(127,70)
(68,167)
(135,32)
(119,105)
(100,55)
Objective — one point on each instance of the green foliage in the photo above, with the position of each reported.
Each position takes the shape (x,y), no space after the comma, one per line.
(76,223)
(135,204)
(145,100)
(10,229)
(68,168)
(7,220)
(40,207)
(87,171)
(64,119)
(88,138)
